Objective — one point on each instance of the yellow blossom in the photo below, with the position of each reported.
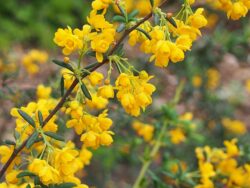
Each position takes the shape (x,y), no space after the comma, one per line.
(177,136)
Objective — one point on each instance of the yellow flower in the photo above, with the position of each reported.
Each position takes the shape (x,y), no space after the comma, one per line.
(176,54)
(144,130)
(177,136)
(90,139)
(232,148)
(106,138)
(66,39)
(66,161)
(184,42)
(247,85)
(47,174)
(85,156)
(43,92)
(98,21)
(207,170)
(213,78)
(101,42)
(234,126)
(197,81)
(106,91)
(101,4)
(95,78)
(197,20)
(191,2)
(31,59)
(97,102)
(134,92)
(237,10)
(161,53)
(11,176)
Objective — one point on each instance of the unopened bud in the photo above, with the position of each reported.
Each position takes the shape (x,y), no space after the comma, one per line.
(66,59)
(169,15)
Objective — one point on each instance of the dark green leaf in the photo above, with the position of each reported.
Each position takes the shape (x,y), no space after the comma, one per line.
(28,186)
(91,66)
(133,14)
(9,142)
(123,11)
(39,139)
(62,86)
(144,32)
(27,118)
(32,139)
(121,27)
(118,18)
(119,50)
(16,135)
(152,2)
(85,91)
(37,181)
(62,64)
(40,118)
(54,136)
(24,174)
(90,53)
(172,21)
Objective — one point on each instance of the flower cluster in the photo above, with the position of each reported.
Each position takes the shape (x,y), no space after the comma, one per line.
(61,165)
(179,132)
(168,41)
(144,130)
(42,105)
(234,126)
(234,9)
(94,130)
(215,162)
(31,59)
(97,35)
(134,92)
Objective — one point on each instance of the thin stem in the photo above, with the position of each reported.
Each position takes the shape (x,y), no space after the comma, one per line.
(71,88)
(153,152)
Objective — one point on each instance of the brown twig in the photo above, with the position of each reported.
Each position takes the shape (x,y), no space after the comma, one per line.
(73,85)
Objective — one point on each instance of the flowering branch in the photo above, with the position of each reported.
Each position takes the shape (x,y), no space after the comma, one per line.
(71,88)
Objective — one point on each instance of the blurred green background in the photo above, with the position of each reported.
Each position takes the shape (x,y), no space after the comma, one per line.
(33,22)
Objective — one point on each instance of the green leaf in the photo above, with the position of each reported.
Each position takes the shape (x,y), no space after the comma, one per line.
(152,2)
(156,19)
(16,135)
(32,139)
(85,91)
(123,11)
(9,142)
(119,50)
(133,14)
(28,186)
(54,136)
(62,64)
(91,53)
(24,174)
(118,18)
(40,118)
(144,32)
(91,66)
(66,185)
(27,118)
(62,86)
(172,21)
(121,27)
